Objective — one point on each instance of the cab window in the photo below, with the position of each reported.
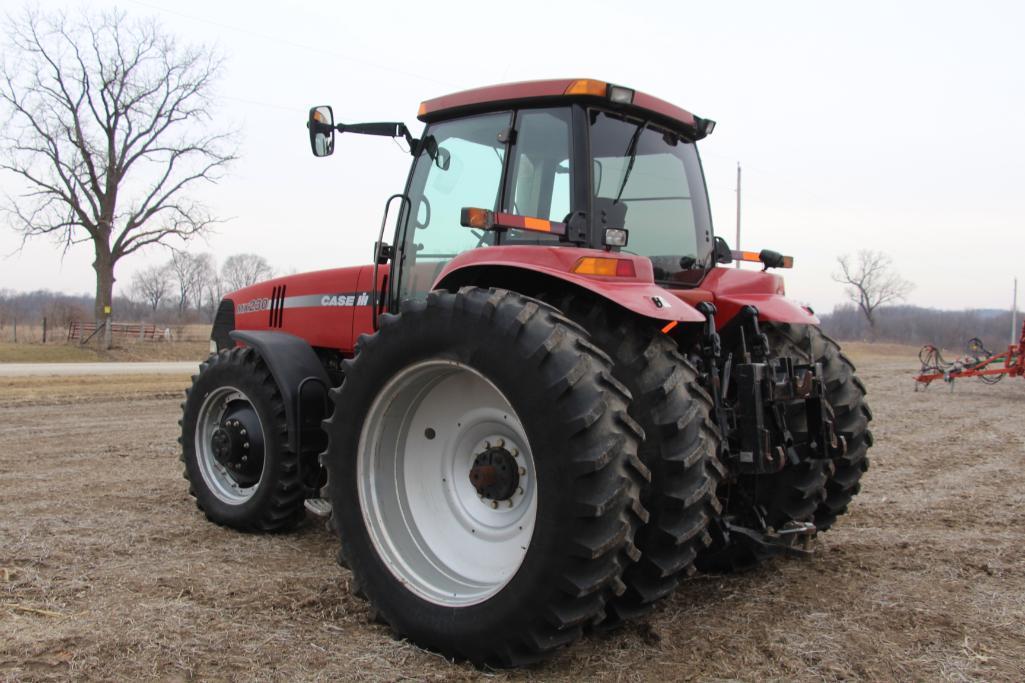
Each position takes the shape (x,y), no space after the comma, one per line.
(438,192)
(540,175)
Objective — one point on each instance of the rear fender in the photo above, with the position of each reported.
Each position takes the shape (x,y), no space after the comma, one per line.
(771,308)
(731,289)
(299,375)
(533,269)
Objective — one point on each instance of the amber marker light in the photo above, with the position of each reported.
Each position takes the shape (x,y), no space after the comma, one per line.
(749,256)
(476,218)
(605,267)
(587,86)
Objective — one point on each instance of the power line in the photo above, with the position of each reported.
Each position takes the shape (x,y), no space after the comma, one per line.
(290,43)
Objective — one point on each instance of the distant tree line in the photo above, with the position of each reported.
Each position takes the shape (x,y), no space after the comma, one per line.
(915,325)
(185,289)
(190,282)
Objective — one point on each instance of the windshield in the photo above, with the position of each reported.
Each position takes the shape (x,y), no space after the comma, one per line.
(648,180)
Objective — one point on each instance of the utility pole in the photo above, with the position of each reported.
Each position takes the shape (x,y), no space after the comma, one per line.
(1014,315)
(737,243)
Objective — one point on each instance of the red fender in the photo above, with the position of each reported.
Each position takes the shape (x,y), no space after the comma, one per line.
(637,293)
(730,289)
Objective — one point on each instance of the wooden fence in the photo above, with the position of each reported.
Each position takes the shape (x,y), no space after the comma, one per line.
(82,331)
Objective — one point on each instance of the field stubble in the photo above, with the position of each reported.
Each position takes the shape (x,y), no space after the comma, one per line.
(107,570)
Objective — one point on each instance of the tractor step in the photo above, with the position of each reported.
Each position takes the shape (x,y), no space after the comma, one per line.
(320,507)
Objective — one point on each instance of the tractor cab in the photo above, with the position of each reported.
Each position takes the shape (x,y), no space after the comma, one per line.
(551,164)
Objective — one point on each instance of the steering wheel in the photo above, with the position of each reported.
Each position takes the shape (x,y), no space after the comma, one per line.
(416,218)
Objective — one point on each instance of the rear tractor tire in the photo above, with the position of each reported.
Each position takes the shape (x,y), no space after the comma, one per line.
(815,491)
(845,393)
(681,446)
(483,474)
(234,446)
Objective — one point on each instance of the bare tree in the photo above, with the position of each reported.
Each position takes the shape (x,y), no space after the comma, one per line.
(191,273)
(206,282)
(107,128)
(242,270)
(152,285)
(871,282)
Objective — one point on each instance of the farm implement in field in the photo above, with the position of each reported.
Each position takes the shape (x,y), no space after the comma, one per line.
(977,362)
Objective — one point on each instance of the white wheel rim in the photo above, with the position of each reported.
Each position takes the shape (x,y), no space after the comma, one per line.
(215,475)
(426,520)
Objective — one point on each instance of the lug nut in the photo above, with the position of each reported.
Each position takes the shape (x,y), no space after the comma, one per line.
(523,470)
(246,445)
(500,443)
(515,452)
(519,490)
(242,432)
(494,505)
(510,503)
(245,458)
(487,445)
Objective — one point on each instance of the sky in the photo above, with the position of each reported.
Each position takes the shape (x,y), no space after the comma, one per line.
(871,125)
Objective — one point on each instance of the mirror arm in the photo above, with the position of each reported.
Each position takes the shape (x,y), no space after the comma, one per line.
(391,130)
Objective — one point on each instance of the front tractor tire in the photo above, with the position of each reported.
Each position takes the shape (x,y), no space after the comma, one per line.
(483,474)
(234,445)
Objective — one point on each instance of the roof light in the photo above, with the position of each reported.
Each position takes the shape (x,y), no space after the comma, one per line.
(587,86)
(422,110)
(605,267)
(621,95)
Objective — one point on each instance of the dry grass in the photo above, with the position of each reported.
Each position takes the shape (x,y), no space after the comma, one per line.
(123,351)
(109,572)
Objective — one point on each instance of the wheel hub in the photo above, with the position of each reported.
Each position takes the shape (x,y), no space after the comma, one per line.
(495,473)
(237,446)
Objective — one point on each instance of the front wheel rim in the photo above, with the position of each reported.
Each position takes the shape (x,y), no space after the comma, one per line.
(443,539)
(228,404)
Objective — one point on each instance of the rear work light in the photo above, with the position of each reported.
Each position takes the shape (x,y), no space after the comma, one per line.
(616,237)
(606,267)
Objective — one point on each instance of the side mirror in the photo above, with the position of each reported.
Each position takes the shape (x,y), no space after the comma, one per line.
(442,157)
(723,254)
(322,131)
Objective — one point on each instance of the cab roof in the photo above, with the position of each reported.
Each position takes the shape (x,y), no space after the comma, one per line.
(529,92)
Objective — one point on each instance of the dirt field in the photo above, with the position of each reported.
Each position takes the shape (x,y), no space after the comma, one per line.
(107,571)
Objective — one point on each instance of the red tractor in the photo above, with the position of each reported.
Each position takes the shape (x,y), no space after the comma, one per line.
(545,402)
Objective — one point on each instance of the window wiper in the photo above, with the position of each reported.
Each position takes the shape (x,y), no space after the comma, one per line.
(631,150)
